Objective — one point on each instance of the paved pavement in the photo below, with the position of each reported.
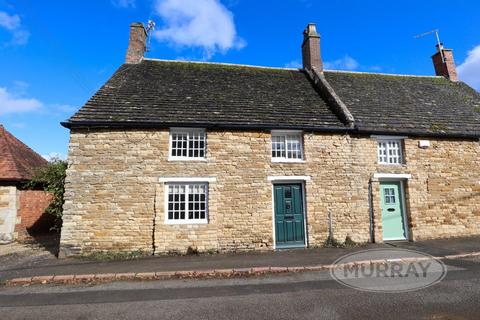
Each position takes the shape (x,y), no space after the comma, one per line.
(289,296)
(16,268)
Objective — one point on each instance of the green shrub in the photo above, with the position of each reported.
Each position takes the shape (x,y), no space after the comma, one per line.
(51,178)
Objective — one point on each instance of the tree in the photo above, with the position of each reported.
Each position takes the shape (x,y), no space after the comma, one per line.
(51,178)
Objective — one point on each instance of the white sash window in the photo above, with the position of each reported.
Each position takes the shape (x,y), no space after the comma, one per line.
(390,151)
(287,146)
(187,144)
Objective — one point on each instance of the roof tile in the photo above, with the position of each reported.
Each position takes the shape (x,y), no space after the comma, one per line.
(408,104)
(17,161)
(206,94)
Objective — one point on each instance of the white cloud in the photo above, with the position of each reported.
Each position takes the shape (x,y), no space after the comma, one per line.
(293,64)
(124,3)
(205,24)
(13,24)
(20,37)
(469,70)
(52,156)
(345,63)
(11,103)
(9,22)
(66,108)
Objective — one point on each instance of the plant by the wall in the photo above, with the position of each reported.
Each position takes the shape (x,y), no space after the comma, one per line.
(51,178)
(331,242)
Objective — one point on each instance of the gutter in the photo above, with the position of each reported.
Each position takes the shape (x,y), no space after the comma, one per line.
(327,129)
(419,134)
(140,124)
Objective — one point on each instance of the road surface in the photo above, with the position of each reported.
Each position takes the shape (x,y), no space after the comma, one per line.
(312,295)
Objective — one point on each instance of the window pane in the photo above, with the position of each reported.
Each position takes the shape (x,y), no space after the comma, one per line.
(189,144)
(176,202)
(278,146)
(390,152)
(187,201)
(294,149)
(287,146)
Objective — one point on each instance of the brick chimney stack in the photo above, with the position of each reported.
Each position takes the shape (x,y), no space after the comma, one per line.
(137,43)
(444,66)
(311,56)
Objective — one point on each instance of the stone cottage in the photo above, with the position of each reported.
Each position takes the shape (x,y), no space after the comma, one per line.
(21,211)
(171,155)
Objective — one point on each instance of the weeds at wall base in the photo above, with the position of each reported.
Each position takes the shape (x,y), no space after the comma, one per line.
(331,242)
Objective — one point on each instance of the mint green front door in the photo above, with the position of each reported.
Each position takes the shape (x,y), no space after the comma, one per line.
(289,221)
(393,223)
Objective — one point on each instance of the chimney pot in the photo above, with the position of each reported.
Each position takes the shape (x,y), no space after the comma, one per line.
(311,56)
(137,43)
(444,64)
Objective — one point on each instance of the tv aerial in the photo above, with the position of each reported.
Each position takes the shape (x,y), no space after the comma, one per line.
(439,44)
(150,27)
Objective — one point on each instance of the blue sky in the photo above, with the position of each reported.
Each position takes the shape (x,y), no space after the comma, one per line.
(55,54)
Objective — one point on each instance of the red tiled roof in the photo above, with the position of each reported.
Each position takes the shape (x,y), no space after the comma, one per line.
(17,160)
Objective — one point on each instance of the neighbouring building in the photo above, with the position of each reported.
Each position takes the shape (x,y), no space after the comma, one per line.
(171,155)
(22,212)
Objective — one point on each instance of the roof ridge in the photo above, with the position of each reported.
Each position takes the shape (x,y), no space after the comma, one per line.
(293,69)
(384,74)
(223,63)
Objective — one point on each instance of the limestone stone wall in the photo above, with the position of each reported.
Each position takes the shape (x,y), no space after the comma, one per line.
(114,200)
(443,195)
(8,213)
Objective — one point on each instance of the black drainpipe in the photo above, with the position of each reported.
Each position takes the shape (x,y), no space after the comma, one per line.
(370,204)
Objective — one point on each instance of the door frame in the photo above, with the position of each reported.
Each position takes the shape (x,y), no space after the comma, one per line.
(401,182)
(289,180)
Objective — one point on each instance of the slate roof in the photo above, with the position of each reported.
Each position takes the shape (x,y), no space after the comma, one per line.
(166,93)
(156,93)
(413,105)
(17,161)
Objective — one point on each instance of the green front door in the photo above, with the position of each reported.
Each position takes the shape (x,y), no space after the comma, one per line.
(393,223)
(289,222)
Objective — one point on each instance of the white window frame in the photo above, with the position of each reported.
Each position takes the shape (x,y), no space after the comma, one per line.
(186,131)
(286,133)
(168,183)
(386,140)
